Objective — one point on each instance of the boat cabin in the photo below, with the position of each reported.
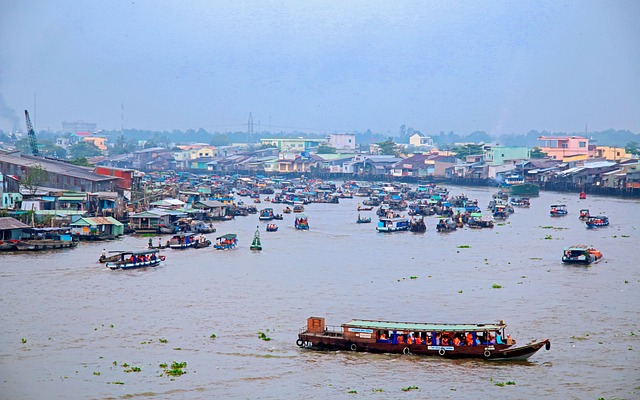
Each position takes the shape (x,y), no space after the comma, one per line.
(428,334)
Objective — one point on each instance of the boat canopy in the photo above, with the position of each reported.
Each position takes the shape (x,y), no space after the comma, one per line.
(227,236)
(575,247)
(139,253)
(427,327)
(476,215)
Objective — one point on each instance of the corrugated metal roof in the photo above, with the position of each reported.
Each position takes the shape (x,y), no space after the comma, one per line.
(11,223)
(419,326)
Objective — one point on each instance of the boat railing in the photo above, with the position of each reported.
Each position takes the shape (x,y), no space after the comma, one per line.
(329,330)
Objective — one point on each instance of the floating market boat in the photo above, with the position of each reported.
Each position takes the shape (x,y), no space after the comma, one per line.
(558,210)
(266,214)
(581,254)
(446,225)
(186,240)
(226,242)
(301,222)
(364,208)
(298,208)
(597,221)
(417,225)
(363,220)
(483,341)
(520,202)
(256,244)
(272,227)
(584,213)
(583,195)
(524,189)
(395,224)
(46,239)
(136,259)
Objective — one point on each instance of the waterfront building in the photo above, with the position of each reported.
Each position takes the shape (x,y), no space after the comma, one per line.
(565,148)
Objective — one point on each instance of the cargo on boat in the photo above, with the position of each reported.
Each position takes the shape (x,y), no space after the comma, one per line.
(483,341)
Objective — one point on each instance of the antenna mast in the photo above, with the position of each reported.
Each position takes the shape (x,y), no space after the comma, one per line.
(250,128)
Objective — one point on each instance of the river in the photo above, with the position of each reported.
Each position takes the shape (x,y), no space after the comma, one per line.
(71,328)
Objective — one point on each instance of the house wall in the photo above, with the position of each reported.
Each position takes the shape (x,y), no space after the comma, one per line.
(500,154)
(559,147)
(611,153)
(342,141)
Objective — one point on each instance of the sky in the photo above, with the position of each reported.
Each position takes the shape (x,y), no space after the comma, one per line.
(502,67)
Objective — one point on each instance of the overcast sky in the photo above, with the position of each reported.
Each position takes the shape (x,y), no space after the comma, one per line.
(322,66)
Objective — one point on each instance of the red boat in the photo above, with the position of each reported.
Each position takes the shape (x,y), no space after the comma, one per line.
(483,341)
(583,195)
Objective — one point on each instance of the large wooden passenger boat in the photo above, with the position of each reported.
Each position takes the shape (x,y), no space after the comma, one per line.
(484,341)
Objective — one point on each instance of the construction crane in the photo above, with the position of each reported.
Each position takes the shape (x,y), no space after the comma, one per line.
(32,135)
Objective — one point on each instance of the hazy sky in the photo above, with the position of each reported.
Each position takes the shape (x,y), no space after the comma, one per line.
(322,66)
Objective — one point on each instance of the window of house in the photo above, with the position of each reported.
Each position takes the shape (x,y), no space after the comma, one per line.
(583,144)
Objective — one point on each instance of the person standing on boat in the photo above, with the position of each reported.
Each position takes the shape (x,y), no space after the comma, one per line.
(499,338)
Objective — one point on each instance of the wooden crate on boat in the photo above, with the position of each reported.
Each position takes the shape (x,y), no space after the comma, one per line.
(315,325)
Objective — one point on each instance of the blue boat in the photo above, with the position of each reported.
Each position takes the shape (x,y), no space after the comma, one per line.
(558,210)
(393,224)
(597,221)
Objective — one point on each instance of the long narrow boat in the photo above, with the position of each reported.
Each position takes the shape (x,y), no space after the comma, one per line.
(581,254)
(484,341)
(136,259)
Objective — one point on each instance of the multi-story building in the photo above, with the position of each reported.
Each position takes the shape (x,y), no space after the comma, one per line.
(564,147)
(342,141)
(293,145)
(611,153)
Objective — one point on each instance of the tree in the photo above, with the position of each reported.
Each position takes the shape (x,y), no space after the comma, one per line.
(537,153)
(35,177)
(467,150)
(326,149)
(81,162)
(84,149)
(632,148)
(388,147)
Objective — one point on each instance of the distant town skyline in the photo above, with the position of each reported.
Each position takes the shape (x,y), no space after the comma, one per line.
(463,66)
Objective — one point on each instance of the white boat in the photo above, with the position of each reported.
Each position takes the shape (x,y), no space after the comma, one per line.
(393,224)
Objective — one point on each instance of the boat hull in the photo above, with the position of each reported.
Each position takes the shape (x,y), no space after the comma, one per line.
(132,265)
(332,341)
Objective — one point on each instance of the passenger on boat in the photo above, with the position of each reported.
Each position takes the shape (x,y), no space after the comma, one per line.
(510,341)
(468,339)
(499,338)
(456,341)
(492,339)
(104,252)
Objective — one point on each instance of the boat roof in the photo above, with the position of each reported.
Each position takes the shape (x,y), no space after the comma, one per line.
(420,326)
(558,205)
(140,252)
(577,247)
(227,236)
(598,217)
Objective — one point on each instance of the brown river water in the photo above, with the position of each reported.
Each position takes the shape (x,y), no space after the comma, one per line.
(82,322)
